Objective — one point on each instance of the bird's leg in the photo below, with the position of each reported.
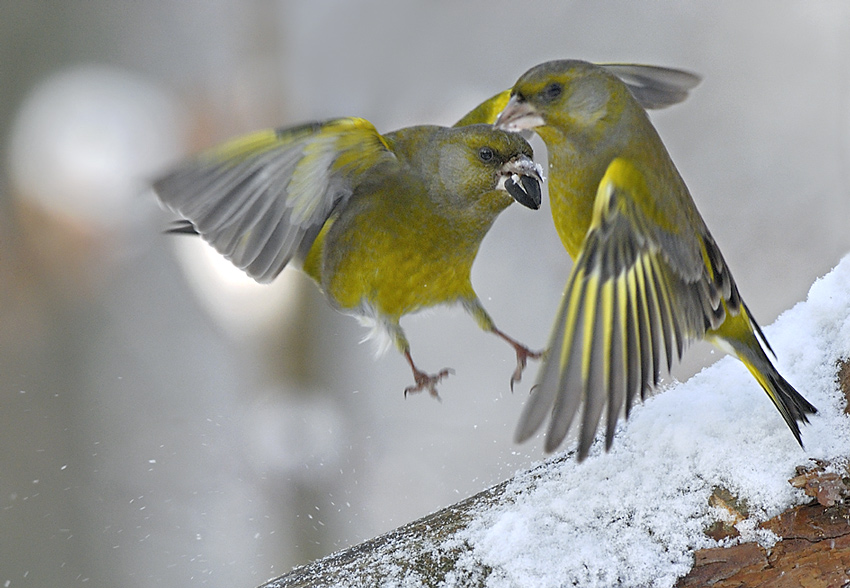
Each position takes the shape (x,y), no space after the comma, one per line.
(523,354)
(474,307)
(424,381)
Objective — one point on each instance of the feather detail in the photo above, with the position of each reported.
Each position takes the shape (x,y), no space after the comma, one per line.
(625,316)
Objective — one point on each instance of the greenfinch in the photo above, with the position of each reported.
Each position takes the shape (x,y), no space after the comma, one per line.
(385,224)
(648,277)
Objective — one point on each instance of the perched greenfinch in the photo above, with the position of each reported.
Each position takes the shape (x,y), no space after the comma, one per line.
(648,277)
(385,224)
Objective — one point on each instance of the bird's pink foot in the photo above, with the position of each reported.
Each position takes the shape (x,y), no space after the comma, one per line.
(427,382)
(523,354)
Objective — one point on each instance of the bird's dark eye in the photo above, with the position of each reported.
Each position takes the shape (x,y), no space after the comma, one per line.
(486,154)
(552,91)
(519,97)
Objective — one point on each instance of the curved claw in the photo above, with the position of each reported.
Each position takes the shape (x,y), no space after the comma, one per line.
(523,354)
(427,382)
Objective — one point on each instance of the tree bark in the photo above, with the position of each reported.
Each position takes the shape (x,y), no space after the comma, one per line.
(419,551)
(814,551)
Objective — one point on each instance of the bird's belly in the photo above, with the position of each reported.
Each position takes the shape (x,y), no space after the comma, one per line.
(398,285)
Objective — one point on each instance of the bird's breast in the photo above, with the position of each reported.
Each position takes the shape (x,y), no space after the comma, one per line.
(572,190)
(395,266)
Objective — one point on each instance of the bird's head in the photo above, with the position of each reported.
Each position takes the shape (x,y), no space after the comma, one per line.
(581,98)
(477,161)
(563,94)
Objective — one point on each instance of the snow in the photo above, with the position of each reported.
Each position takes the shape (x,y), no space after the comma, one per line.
(633,517)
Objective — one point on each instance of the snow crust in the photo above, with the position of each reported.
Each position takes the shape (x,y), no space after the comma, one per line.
(632,517)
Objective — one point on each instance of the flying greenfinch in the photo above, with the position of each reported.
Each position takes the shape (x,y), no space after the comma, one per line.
(648,277)
(385,224)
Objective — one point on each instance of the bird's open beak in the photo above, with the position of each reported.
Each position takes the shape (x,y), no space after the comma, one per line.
(521,178)
(517,116)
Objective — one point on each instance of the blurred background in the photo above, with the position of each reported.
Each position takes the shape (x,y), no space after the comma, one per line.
(165,422)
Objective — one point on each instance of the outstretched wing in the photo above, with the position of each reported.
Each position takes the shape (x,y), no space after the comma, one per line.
(638,294)
(261,199)
(652,86)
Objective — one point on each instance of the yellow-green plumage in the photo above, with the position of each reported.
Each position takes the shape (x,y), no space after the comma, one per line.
(385,225)
(422,238)
(648,277)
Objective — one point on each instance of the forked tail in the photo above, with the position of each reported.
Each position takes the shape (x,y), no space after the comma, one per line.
(790,403)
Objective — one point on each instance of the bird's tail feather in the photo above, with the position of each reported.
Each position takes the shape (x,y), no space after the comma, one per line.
(790,403)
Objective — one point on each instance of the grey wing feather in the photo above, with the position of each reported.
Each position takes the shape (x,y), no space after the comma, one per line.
(262,199)
(653,86)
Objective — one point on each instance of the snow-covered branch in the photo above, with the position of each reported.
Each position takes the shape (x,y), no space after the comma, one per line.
(636,516)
